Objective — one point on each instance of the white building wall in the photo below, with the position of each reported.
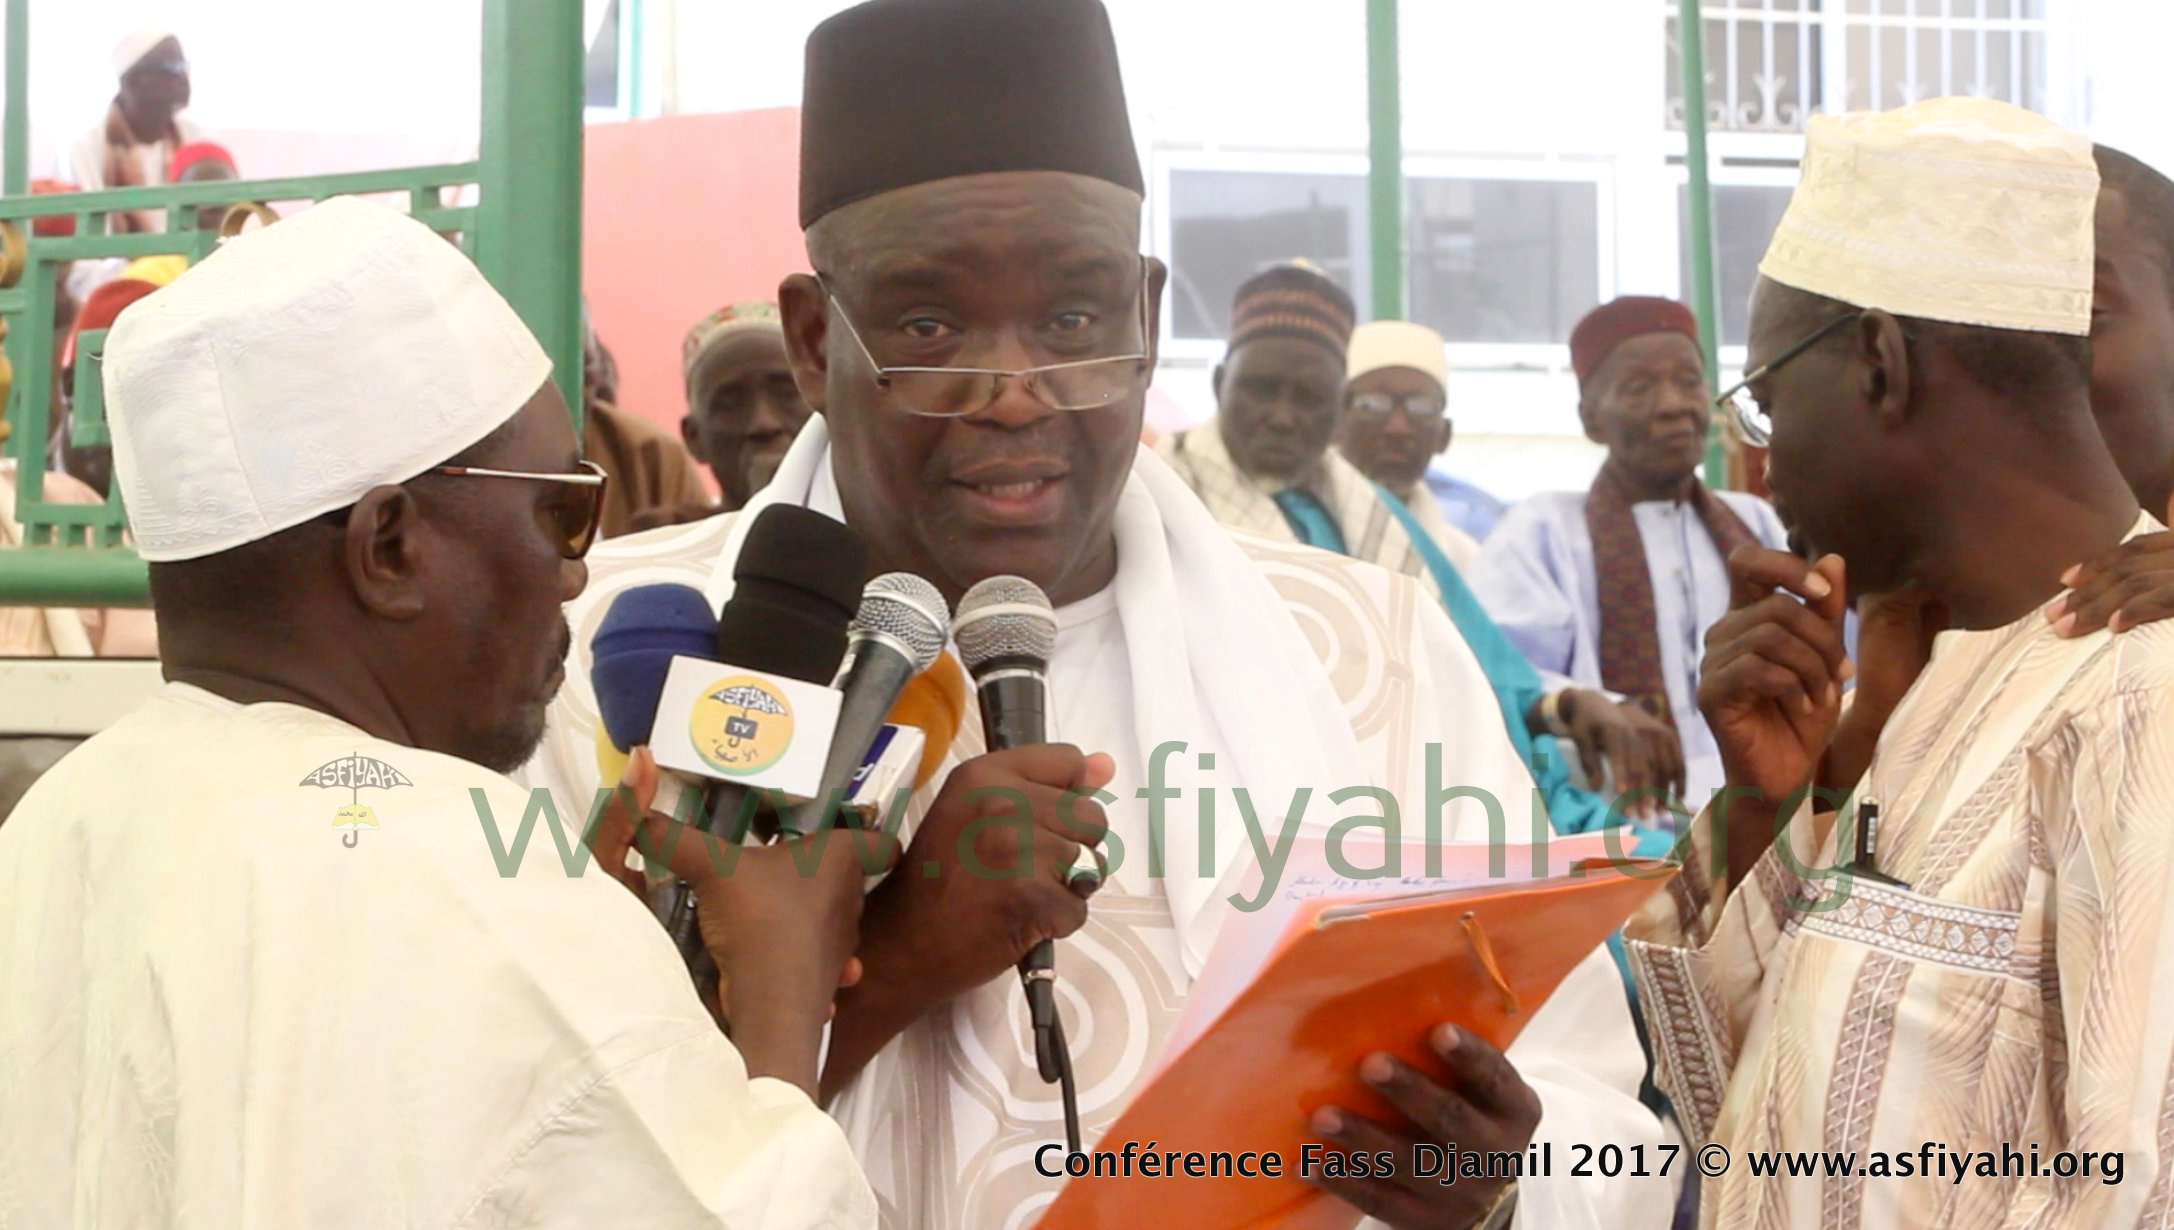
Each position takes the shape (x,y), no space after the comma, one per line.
(1511,88)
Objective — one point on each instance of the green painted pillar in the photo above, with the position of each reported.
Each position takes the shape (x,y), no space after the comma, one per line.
(15,170)
(15,181)
(1385,177)
(528,224)
(1691,36)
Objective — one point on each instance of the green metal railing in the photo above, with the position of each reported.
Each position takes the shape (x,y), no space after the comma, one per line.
(524,231)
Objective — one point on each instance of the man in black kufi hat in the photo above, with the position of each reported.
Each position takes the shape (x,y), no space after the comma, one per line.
(977,338)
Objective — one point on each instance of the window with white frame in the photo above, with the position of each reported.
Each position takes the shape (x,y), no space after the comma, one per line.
(1226,226)
(1772,64)
(1487,260)
(1501,260)
(1744,217)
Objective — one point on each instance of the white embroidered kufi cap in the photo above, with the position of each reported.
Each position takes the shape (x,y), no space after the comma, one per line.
(1967,210)
(1397,343)
(298,367)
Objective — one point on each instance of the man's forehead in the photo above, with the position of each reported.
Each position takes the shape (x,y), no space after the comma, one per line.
(1664,347)
(1286,356)
(1054,225)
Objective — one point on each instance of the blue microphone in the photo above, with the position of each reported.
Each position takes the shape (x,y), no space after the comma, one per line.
(646,628)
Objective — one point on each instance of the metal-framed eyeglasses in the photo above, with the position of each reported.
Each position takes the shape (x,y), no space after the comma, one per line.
(576,517)
(1751,419)
(958,392)
(1420,408)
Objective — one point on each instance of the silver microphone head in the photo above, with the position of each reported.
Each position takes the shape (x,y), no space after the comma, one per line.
(1004,617)
(906,610)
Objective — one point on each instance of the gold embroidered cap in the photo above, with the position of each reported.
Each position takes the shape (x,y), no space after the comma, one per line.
(1967,210)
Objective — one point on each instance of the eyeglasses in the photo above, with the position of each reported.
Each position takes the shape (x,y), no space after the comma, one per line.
(957,392)
(1737,402)
(1418,407)
(172,68)
(578,518)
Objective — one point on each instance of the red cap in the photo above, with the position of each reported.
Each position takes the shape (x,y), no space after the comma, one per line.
(1617,321)
(59,225)
(194,152)
(102,307)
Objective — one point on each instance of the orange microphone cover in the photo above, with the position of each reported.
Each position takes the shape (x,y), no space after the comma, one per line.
(935,701)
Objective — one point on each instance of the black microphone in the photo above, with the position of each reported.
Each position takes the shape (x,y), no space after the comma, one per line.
(795,586)
(896,634)
(1006,631)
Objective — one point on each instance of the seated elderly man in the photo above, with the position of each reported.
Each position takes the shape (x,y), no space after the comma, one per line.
(1614,587)
(743,408)
(1396,421)
(977,340)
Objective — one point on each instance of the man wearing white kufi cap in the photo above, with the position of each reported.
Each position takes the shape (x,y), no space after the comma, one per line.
(361,501)
(1977,954)
(133,145)
(1396,420)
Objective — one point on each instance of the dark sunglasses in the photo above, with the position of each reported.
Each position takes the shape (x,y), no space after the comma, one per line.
(578,516)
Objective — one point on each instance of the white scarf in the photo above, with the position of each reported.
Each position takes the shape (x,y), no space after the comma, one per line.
(1202,460)
(1218,663)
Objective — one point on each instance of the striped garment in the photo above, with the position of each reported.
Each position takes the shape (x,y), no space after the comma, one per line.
(2016,988)
(1370,531)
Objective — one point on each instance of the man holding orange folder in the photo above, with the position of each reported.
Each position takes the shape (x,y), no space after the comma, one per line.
(977,337)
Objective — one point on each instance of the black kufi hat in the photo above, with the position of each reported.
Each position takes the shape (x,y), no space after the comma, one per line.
(903,92)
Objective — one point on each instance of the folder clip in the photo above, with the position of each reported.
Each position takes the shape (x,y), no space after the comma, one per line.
(1486,953)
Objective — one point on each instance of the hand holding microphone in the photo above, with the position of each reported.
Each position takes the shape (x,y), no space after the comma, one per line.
(782,925)
(995,869)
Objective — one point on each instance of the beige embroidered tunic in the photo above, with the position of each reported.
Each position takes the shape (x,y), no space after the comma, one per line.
(2018,992)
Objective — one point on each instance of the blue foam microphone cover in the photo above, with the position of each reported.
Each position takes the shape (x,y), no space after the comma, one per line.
(633,649)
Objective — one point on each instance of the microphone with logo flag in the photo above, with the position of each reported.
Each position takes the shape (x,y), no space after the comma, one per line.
(747,710)
(630,655)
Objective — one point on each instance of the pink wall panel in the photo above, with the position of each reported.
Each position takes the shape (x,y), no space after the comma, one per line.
(684,214)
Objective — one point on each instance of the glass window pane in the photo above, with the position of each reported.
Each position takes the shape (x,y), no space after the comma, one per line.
(1744,220)
(2000,66)
(601,66)
(1226,226)
(1502,260)
(1858,55)
(2033,95)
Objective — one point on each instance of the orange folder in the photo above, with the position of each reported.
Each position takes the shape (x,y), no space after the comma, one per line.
(1350,977)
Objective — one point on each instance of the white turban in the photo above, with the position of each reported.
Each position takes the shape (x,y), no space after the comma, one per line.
(298,367)
(1966,210)
(132,49)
